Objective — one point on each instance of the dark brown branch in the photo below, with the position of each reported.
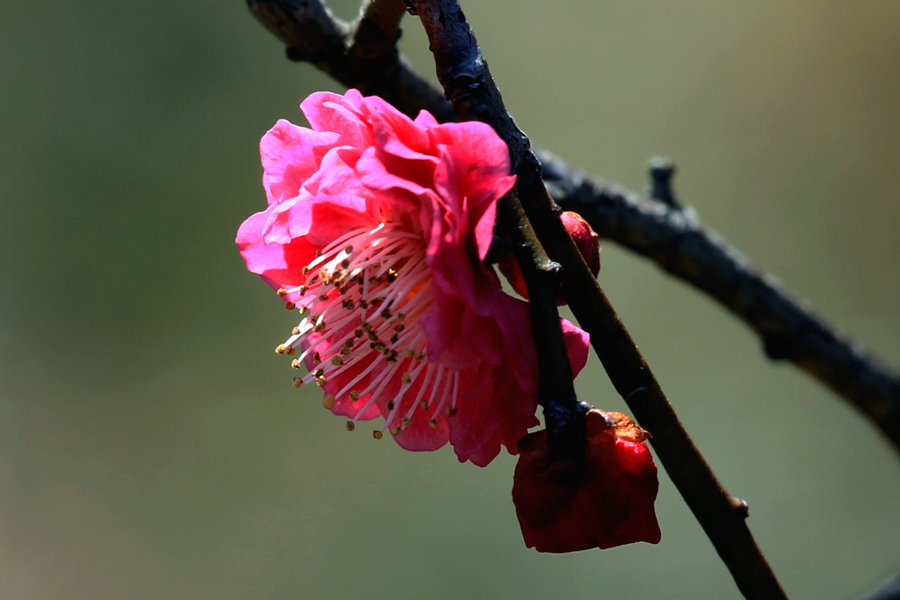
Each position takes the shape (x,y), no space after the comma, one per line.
(670,236)
(889,590)
(673,238)
(468,84)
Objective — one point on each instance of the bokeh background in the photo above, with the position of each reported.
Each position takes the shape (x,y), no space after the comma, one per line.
(151,444)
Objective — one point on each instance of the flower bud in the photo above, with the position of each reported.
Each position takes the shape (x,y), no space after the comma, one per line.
(585,240)
(599,500)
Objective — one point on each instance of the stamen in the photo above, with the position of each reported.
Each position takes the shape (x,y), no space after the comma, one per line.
(378,278)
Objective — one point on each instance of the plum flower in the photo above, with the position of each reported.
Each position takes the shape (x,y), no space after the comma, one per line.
(376,229)
(600,500)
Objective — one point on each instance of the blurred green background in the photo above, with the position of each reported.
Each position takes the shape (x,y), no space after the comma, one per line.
(151,445)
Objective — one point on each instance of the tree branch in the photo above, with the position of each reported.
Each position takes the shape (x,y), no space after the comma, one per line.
(669,235)
(468,84)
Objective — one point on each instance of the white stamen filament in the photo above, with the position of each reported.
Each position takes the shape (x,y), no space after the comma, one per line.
(362,298)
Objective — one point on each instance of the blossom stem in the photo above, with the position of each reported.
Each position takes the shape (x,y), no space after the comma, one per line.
(468,85)
(563,413)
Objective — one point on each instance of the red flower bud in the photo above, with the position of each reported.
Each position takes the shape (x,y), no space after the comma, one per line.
(583,236)
(600,500)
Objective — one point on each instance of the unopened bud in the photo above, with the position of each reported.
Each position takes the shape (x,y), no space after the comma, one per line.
(585,240)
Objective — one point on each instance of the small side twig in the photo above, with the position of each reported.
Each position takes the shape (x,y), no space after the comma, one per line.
(661,173)
(468,84)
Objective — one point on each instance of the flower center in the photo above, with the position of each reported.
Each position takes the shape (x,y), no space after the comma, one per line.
(360,336)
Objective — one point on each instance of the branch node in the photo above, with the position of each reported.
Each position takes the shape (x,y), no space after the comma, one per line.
(662,170)
(778,347)
(740,506)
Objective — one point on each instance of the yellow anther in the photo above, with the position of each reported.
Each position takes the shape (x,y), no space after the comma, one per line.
(280,349)
(377,434)
(328,401)
(351,425)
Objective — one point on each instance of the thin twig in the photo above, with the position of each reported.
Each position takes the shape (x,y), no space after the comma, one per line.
(468,84)
(670,236)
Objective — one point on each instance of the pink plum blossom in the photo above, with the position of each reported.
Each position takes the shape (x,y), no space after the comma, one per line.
(376,229)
